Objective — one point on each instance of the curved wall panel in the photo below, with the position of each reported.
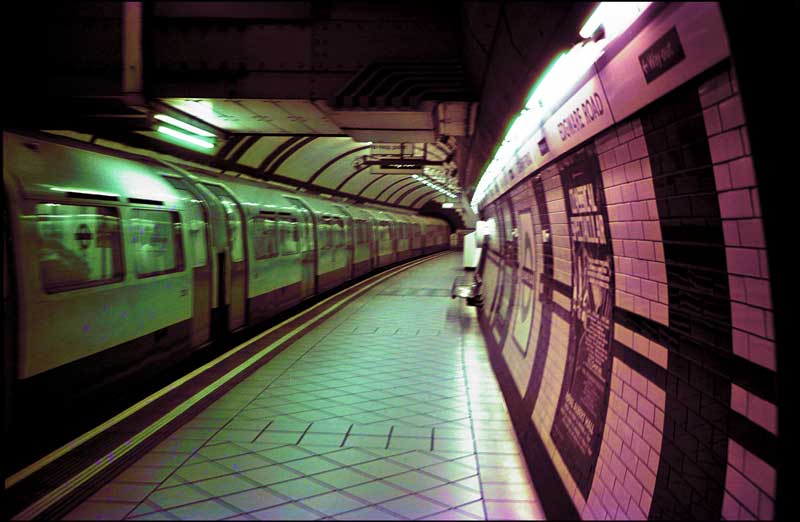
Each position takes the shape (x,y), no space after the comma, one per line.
(628,309)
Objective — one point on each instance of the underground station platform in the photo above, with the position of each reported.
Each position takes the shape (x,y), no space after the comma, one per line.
(378,403)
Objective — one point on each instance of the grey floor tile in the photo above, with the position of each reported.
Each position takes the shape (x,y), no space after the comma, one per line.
(123,492)
(145,474)
(417,459)
(255,499)
(208,510)
(367,513)
(285,437)
(271,474)
(285,453)
(350,456)
(203,471)
(300,488)
(312,465)
(226,485)
(452,494)
(92,510)
(381,468)
(376,492)
(286,512)
(414,481)
(332,503)
(413,507)
(343,477)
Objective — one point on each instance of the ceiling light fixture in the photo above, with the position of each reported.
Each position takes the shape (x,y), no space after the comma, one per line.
(184,137)
(183,125)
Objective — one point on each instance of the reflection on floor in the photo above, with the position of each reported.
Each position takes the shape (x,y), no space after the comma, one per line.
(388,410)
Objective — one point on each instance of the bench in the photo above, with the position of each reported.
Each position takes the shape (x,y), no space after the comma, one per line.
(465,287)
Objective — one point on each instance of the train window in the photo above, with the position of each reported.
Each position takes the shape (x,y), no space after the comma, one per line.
(157,242)
(79,246)
(386,232)
(289,236)
(324,231)
(196,222)
(265,236)
(361,231)
(338,232)
(234,222)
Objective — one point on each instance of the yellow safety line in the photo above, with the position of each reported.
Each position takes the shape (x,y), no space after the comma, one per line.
(74,482)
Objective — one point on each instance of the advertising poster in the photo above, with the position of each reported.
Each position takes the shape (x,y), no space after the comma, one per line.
(578,424)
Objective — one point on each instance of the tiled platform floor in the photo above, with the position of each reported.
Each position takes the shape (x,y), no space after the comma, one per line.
(387,411)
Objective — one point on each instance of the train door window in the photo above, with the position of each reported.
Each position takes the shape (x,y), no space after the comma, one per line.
(156,239)
(324,229)
(361,231)
(338,232)
(195,223)
(197,235)
(234,222)
(265,236)
(289,235)
(79,246)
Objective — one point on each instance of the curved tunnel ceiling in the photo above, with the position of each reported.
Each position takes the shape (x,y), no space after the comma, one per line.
(299,143)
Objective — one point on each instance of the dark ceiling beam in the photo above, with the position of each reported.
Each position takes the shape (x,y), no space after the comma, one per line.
(368,185)
(156,145)
(387,187)
(351,176)
(409,183)
(418,202)
(406,193)
(334,160)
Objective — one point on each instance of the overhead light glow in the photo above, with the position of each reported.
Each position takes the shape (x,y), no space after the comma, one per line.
(184,125)
(83,191)
(185,137)
(615,17)
(558,78)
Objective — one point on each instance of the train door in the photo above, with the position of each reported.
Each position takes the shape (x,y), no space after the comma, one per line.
(308,248)
(372,240)
(197,220)
(10,308)
(350,242)
(235,259)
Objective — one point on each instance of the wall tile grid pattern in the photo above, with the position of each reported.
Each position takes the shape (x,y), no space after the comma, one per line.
(640,274)
(625,476)
(555,365)
(689,421)
(749,481)
(388,410)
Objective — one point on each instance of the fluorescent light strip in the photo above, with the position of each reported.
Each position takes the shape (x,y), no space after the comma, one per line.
(185,137)
(433,185)
(184,125)
(615,17)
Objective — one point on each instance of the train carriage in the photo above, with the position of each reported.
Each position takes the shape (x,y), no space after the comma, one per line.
(134,260)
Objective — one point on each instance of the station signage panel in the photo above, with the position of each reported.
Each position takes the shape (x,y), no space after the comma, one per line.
(582,116)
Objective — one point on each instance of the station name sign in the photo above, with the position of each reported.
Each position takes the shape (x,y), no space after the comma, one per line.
(588,111)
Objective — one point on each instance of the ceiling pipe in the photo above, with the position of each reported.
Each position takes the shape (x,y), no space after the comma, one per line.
(132,75)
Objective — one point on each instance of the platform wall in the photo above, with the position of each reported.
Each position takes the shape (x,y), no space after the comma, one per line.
(630,316)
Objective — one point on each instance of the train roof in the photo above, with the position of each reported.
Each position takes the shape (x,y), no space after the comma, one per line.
(45,169)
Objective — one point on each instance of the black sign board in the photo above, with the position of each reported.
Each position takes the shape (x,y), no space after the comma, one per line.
(543,148)
(660,57)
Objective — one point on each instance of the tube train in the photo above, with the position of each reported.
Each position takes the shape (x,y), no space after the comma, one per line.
(112,262)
